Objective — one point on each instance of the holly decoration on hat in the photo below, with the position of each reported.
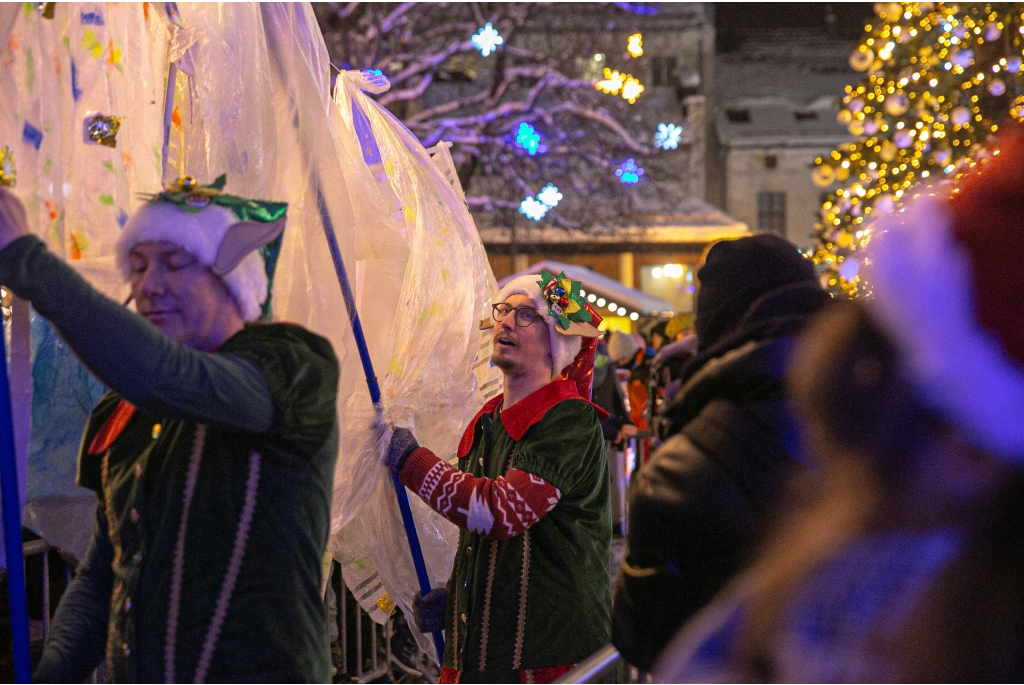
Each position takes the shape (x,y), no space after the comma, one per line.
(192,197)
(565,302)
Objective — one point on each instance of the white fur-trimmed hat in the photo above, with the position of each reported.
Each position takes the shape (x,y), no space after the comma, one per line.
(214,234)
(565,344)
(947,275)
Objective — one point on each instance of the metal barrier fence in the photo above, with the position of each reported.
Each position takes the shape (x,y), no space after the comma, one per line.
(605,666)
(364,651)
(363,648)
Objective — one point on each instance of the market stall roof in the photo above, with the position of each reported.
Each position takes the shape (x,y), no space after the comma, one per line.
(602,287)
(690,223)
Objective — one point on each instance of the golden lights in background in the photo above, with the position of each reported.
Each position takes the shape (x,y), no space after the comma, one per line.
(635,45)
(616,83)
(940,78)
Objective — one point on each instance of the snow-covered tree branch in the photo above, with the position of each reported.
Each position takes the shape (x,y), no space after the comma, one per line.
(541,76)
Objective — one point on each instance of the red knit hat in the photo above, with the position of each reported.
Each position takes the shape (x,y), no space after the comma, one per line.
(947,273)
(988,220)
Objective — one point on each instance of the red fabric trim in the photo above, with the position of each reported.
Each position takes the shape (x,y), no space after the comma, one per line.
(529,675)
(498,508)
(112,428)
(518,418)
(548,674)
(450,676)
(466,444)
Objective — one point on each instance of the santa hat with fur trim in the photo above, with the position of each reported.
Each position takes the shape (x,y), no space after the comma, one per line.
(222,231)
(566,328)
(947,275)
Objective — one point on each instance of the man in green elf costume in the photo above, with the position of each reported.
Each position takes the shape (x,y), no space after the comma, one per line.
(212,457)
(529,594)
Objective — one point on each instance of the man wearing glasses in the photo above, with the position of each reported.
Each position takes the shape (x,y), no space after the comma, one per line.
(529,594)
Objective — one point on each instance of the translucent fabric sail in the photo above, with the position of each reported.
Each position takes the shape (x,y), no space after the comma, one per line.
(423,285)
(249,96)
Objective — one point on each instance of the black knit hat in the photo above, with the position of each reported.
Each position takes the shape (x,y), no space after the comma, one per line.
(737,272)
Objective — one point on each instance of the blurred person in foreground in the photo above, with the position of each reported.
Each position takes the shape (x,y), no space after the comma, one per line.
(907,563)
(212,457)
(529,593)
(701,506)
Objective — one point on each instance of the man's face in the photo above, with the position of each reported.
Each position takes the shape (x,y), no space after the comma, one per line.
(179,295)
(517,350)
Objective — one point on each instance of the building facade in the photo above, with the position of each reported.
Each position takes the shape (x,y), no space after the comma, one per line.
(776,102)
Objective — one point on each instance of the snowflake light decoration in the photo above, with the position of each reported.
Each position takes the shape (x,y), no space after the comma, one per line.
(487,40)
(533,209)
(550,196)
(635,45)
(668,136)
(528,139)
(628,172)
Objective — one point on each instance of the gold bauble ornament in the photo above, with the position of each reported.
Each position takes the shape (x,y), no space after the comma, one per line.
(896,104)
(823,175)
(862,58)
(888,151)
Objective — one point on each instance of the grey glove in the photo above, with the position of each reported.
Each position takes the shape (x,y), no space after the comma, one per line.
(403,443)
(428,610)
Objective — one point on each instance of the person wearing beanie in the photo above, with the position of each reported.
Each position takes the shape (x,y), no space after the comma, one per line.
(905,562)
(529,593)
(622,348)
(212,456)
(701,505)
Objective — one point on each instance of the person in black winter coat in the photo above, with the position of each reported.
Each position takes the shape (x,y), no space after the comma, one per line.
(700,507)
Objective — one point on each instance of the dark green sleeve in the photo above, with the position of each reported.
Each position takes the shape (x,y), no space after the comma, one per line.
(301,372)
(130,355)
(564,448)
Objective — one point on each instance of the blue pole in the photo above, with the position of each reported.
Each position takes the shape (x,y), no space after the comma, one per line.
(12,529)
(371,383)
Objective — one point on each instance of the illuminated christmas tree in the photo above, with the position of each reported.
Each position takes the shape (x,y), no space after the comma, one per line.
(940,79)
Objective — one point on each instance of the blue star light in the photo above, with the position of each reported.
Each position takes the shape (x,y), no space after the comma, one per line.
(628,172)
(533,209)
(667,137)
(528,139)
(486,40)
(550,196)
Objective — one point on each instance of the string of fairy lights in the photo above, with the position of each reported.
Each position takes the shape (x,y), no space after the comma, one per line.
(940,79)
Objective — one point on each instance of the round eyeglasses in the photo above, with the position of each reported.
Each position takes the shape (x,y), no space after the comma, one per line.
(524,315)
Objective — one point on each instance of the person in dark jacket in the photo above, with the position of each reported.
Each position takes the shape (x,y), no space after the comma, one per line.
(608,395)
(700,507)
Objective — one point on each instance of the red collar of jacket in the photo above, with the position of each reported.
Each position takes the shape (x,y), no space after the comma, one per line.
(518,418)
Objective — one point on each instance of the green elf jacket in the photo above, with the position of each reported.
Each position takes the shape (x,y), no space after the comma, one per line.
(542,598)
(214,479)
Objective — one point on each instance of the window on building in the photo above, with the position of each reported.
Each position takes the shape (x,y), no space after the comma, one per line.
(771,161)
(771,212)
(738,116)
(665,69)
(805,115)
